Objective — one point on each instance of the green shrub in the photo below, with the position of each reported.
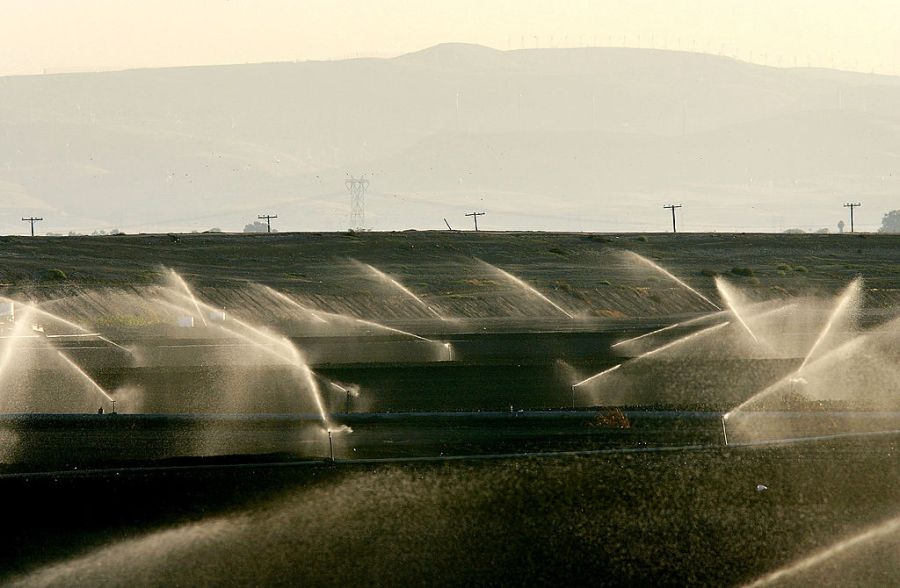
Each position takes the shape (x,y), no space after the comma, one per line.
(56,274)
(747,272)
(558,251)
(642,239)
(563,285)
(708,273)
(801,268)
(784,267)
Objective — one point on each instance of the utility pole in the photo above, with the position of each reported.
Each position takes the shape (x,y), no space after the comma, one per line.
(268,218)
(475,216)
(851,206)
(672,207)
(32,220)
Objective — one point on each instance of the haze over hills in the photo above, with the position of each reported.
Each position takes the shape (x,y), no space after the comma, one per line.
(553,139)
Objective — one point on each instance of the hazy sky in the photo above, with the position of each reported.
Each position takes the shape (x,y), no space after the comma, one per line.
(36,35)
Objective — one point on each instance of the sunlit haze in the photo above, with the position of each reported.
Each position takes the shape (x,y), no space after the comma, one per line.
(62,35)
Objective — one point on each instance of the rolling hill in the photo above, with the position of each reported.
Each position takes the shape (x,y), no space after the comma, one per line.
(555,139)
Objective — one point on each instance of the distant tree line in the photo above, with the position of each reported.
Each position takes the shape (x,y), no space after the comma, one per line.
(257,227)
(891,222)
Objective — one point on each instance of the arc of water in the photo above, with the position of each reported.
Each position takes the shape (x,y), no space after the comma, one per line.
(652,352)
(67,322)
(273,341)
(670,327)
(595,376)
(353,390)
(300,361)
(97,388)
(190,294)
(368,323)
(393,282)
(853,342)
(361,321)
(528,288)
(871,534)
(285,298)
(725,292)
(392,329)
(846,298)
(672,277)
(8,348)
(683,340)
(22,325)
(294,357)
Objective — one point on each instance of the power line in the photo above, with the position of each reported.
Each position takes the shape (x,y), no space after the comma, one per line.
(32,220)
(268,218)
(672,207)
(851,206)
(474,216)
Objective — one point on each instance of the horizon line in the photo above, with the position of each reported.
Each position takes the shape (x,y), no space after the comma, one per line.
(387,56)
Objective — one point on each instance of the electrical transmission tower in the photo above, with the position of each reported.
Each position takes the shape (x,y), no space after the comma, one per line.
(34,219)
(357,189)
(850,205)
(673,207)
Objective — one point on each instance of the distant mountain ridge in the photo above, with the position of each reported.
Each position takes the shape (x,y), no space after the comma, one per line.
(555,139)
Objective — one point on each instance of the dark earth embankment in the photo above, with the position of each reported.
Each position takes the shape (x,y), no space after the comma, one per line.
(583,273)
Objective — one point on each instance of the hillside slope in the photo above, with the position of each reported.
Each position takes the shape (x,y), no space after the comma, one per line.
(561,132)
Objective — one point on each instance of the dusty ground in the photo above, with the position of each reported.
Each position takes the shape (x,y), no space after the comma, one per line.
(582,273)
(690,516)
(674,518)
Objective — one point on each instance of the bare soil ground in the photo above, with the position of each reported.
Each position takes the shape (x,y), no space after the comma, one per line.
(583,273)
(677,517)
(671,518)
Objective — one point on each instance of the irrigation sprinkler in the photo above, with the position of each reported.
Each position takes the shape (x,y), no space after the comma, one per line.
(330,446)
(724,431)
